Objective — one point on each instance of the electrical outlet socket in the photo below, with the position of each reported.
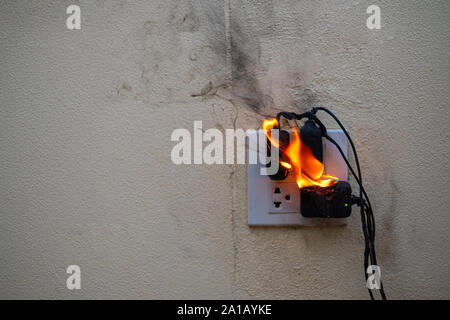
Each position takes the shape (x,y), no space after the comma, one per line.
(277,203)
(285,197)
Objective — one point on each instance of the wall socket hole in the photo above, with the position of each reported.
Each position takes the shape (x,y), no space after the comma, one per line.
(277,190)
(287,197)
(277,204)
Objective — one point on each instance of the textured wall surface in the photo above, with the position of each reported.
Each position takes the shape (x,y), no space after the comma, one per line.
(86,118)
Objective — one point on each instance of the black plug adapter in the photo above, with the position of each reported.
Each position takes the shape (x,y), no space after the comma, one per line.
(334,201)
(323,202)
(311,136)
(284,140)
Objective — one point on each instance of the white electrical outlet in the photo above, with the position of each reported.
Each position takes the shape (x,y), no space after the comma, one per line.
(285,197)
(277,203)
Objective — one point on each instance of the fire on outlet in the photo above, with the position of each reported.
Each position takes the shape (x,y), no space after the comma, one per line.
(309,171)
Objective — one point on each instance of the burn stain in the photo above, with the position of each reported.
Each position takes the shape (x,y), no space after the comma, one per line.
(182,16)
(229,58)
(247,81)
(245,57)
(158,44)
(306,98)
(242,88)
(206,90)
(124,89)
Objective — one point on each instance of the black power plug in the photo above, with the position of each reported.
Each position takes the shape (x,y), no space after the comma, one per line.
(284,140)
(323,202)
(311,135)
(334,201)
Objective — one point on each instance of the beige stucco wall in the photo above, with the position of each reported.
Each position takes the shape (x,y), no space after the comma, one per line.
(85,125)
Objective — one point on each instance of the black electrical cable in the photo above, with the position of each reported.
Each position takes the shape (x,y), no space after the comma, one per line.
(364,224)
(367,228)
(367,225)
(367,217)
(364,211)
(314,111)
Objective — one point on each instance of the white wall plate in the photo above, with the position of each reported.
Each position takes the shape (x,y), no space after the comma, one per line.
(277,203)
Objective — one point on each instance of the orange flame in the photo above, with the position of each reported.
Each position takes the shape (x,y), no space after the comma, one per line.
(267,126)
(286,164)
(308,170)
